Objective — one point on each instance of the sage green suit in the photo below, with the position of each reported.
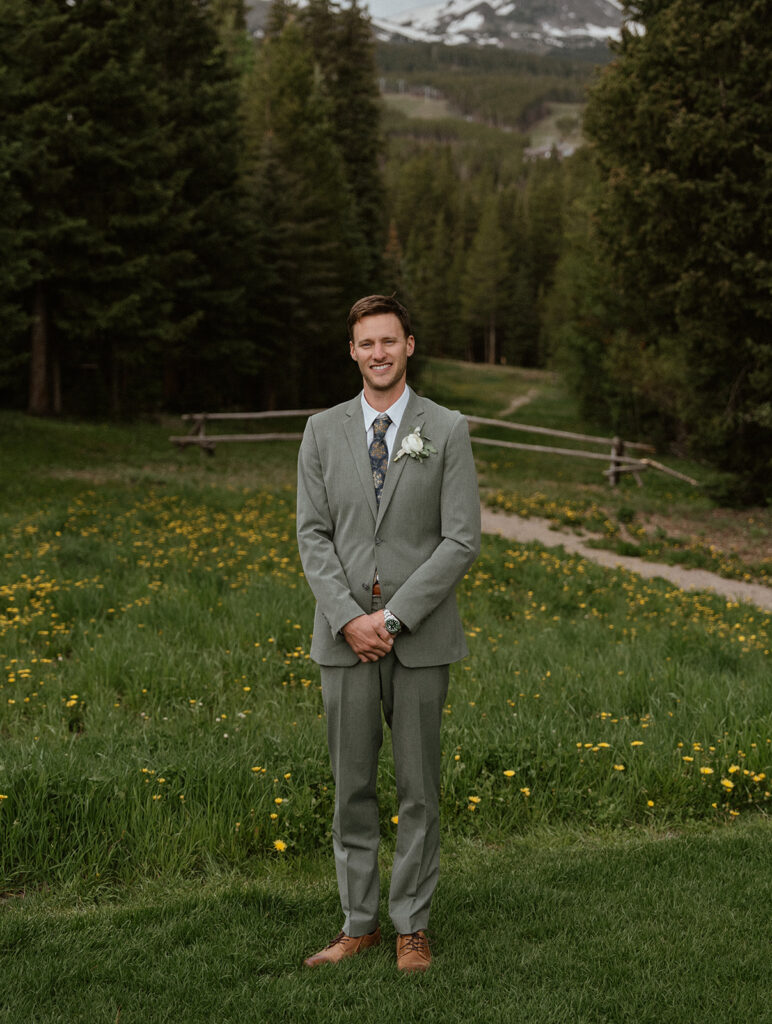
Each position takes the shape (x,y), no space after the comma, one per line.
(420,541)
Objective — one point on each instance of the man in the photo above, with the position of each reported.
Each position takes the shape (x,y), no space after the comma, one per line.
(388,523)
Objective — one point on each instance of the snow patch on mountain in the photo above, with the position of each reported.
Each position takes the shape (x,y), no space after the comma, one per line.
(524,24)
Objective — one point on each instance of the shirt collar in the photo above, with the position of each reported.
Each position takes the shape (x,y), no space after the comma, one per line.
(394,412)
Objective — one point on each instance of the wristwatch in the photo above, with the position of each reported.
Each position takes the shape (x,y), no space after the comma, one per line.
(393,625)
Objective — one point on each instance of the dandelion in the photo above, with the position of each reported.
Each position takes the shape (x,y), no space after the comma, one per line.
(474,799)
(637,743)
(649,803)
(733,768)
(687,758)
(278,800)
(280,845)
(525,790)
(256,768)
(288,775)
(509,772)
(274,815)
(727,784)
(705,770)
(394,819)
(3,796)
(619,767)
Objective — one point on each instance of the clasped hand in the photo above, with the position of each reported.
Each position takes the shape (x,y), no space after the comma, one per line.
(368,637)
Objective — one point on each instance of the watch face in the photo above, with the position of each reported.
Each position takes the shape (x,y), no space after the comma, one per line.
(393,625)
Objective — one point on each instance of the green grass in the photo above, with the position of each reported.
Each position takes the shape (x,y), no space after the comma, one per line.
(644,927)
(606,765)
(422,107)
(563,124)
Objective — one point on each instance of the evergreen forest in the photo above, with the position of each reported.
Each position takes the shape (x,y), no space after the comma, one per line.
(187,213)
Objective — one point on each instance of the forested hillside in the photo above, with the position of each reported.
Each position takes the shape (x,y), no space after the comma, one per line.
(186,213)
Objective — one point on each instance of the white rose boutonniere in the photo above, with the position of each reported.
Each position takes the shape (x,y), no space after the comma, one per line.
(415,446)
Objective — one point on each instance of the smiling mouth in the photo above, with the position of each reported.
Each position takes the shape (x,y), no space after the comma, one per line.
(380,366)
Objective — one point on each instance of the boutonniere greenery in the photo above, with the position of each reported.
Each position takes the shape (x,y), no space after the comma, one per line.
(415,446)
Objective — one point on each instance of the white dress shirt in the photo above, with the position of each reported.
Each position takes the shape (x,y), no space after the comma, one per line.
(395,413)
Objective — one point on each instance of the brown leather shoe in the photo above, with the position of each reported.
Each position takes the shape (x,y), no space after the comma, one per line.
(342,946)
(413,952)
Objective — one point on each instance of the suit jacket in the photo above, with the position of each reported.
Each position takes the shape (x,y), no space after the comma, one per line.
(421,540)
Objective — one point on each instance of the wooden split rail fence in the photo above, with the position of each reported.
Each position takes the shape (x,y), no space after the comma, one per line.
(619,461)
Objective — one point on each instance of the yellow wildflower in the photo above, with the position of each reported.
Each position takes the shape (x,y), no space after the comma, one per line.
(705,770)
(280,845)
(509,772)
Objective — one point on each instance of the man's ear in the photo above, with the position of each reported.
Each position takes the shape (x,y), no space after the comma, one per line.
(410,345)
(351,350)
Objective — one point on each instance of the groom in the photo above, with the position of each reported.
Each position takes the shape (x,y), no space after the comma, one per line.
(388,523)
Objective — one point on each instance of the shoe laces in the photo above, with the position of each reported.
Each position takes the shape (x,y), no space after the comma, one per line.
(338,938)
(414,943)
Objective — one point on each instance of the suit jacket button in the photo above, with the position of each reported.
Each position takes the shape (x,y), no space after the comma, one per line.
(365,586)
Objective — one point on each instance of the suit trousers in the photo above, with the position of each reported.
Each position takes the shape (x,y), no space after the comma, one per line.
(412,700)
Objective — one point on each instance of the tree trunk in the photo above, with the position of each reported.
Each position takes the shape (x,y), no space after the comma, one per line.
(115,381)
(56,376)
(490,347)
(39,398)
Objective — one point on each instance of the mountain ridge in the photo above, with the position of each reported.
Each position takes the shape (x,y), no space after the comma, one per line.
(536,26)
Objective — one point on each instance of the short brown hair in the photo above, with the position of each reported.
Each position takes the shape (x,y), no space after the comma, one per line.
(373,305)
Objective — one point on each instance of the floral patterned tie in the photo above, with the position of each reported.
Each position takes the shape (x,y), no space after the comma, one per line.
(379,453)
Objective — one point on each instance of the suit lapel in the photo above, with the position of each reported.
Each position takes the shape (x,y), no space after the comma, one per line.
(412,417)
(354,426)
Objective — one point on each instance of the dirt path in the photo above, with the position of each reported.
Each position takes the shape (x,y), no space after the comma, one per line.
(516,403)
(532,529)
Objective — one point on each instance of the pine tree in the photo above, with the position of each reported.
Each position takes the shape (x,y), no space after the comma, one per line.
(307,233)
(484,278)
(343,48)
(682,122)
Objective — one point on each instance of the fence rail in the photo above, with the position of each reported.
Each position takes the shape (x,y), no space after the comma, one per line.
(618,461)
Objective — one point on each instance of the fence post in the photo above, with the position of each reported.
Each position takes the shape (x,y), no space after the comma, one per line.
(617,449)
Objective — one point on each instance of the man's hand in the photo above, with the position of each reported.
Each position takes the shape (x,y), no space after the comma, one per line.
(368,637)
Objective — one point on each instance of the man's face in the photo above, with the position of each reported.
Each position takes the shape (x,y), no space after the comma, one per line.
(380,350)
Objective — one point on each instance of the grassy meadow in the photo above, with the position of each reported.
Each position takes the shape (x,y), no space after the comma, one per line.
(165,795)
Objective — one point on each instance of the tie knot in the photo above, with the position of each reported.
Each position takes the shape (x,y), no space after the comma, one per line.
(380,426)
